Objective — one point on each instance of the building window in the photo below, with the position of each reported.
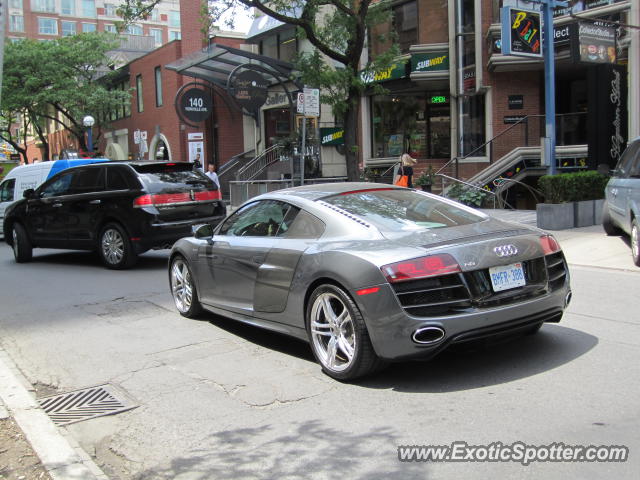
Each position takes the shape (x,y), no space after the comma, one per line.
(288,47)
(269,47)
(68,28)
(16,23)
(15,39)
(88,8)
(110,27)
(15,4)
(134,30)
(109,10)
(173,35)
(68,7)
(47,26)
(88,27)
(174,19)
(405,24)
(48,6)
(158,74)
(410,123)
(155,15)
(139,93)
(472,125)
(156,33)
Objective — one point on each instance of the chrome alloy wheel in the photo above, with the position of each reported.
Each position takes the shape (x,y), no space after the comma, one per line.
(181,285)
(332,331)
(112,245)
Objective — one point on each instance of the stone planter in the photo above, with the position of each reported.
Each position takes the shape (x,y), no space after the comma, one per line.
(583,213)
(555,216)
(598,205)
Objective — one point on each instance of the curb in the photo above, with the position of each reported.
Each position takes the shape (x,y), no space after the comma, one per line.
(60,454)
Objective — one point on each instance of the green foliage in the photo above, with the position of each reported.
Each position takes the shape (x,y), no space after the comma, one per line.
(472,197)
(58,81)
(427,177)
(572,187)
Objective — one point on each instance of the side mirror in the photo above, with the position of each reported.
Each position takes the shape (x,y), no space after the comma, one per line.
(29,193)
(603,169)
(203,232)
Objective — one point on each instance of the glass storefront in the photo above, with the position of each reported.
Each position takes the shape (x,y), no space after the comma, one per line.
(472,125)
(417,124)
(277,125)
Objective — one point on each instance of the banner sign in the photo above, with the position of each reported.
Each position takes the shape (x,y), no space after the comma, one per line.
(429,62)
(249,89)
(593,43)
(331,136)
(521,32)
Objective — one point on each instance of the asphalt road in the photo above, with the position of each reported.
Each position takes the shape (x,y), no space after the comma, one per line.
(220,400)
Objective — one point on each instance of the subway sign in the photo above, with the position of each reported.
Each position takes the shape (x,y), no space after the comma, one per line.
(521,32)
(331,136)
(429,62)
(394,72)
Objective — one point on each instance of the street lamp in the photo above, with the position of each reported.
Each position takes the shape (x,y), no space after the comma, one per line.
(88,122)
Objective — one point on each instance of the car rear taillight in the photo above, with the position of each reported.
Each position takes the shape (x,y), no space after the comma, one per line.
(549,244)
(166,199)
(431,266)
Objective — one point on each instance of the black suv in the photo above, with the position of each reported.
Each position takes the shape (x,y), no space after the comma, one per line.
(120,209)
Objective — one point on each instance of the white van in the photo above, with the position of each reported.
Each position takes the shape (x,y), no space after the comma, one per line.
(31,176)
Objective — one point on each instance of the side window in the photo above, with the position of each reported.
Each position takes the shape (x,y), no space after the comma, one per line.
(88,180)
(634,169)
(116,179)
(304,225)
(60,186)
(260,219)
(6,190)
(627,160)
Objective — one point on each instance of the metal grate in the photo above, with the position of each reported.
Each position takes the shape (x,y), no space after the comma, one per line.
(71,407)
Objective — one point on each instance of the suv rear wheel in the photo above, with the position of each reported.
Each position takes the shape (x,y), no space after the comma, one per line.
(115,247)
(22,248)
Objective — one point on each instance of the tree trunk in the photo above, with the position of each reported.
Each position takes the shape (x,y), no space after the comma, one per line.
(352,153)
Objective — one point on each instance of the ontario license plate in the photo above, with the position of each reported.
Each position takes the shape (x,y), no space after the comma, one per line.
(507,276)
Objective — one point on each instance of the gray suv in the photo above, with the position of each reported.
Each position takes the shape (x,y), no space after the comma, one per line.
(622,199)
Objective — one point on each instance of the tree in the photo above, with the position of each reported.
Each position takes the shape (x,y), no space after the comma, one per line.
(337,30)
(58,82)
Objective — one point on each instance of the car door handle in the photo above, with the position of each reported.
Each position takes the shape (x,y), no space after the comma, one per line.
(259,259)
(56,205)
(94,202)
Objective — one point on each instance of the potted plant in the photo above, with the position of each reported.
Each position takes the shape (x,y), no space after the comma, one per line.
(426,179)
(571,199)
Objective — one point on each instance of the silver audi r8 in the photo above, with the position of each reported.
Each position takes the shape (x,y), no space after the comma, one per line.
(369,273)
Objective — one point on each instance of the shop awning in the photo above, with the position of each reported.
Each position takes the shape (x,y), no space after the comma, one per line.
(216,63)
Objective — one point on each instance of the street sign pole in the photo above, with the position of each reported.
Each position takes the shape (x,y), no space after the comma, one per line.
(549,82)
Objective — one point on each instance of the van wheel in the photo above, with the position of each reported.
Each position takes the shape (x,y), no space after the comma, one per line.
(22,249)
(114,247)
(635,242)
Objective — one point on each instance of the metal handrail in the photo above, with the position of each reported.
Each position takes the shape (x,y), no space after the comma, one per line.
(258,164)
(233,161)
(495,197)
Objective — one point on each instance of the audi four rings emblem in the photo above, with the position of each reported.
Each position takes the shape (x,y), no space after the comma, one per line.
(506,250)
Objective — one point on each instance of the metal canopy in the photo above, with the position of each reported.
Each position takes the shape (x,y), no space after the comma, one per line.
(216,63)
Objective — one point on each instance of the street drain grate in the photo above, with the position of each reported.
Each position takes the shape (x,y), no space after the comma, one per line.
(79,405)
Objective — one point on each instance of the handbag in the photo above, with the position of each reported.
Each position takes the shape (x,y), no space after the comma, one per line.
(402,180)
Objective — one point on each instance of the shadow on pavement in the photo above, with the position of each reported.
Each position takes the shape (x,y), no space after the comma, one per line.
(552,347)
(153,260)
(309,449)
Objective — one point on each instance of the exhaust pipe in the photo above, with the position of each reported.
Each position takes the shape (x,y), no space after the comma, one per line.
(567,299)
(428,335)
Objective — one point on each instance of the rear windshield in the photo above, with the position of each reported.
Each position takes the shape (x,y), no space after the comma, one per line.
(403,210)
(173,176)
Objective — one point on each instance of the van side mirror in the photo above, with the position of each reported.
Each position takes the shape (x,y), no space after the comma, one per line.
(29,193)
(603,169)
(203,232)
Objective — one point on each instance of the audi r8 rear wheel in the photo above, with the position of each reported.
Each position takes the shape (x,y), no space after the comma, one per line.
(338,334)
(183,288)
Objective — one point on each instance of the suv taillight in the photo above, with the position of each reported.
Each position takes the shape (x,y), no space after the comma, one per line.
(165,199)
